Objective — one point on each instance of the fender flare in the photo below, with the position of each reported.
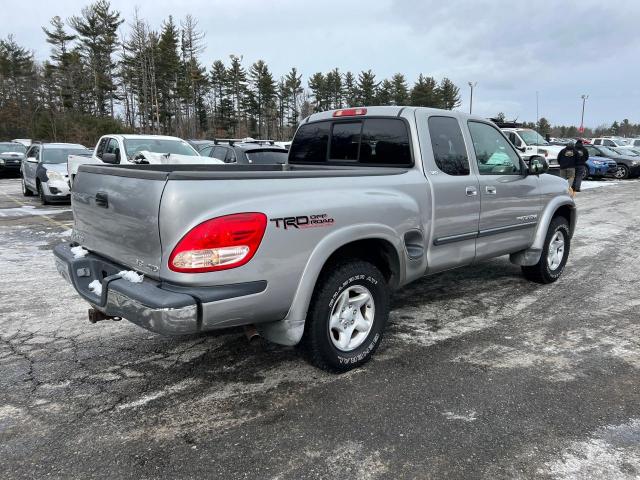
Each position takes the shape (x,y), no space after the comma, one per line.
(531,255)
(289,330)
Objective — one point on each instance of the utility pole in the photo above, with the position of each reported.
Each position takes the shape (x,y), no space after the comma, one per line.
(584,99)
(472,85)
(537,114)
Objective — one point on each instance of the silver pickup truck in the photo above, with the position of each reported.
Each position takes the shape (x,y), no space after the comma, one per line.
(308,252)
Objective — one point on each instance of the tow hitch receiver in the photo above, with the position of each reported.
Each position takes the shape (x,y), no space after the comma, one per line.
(97,316)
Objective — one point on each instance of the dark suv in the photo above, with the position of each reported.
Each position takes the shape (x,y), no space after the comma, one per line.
(11,156)
(628,166)
(245,153)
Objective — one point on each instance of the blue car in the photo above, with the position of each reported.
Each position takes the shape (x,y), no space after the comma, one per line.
(599,167)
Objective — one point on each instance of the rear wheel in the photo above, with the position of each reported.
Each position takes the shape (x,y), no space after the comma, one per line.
(25,190)
(347,316)
(622,172)
(554,254)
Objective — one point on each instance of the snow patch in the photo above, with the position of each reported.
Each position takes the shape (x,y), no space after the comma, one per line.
(79,252)
(96,287)
(587,184)
(28,210)
(178,387)
(469,416)
(131,276)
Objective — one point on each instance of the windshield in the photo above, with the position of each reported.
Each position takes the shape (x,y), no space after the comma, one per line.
(531,137)
(156,145)
(12,147)
(59,154)
(609,151)
(628,151)
(266,157)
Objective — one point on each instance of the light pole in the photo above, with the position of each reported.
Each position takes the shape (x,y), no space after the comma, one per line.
(472,85)
(584,99)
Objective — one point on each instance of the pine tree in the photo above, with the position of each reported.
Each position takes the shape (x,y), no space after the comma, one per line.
(237,87)
(399,90)
(333,81)
(544,127)
(366,88)
(293,85)
(425,93)
(318,87)
(97,31)
(168,70)
(263,90)
(449,94)
(60,40)
(385,93)
(350,91)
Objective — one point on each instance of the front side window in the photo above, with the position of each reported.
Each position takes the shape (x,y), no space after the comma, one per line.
(494,154)
(449,151)
(101,145)
(219,153)
(112,146)
(206,151)
(231,156)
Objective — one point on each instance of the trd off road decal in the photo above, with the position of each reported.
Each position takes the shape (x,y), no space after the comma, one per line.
(303,221)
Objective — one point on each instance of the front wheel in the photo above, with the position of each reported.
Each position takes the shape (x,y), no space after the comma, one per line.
(622,172)
(25,190)
(43,198)
(347,316)
(554,254)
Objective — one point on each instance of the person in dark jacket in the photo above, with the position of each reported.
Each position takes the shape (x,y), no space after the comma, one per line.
(567,162)
(581,164)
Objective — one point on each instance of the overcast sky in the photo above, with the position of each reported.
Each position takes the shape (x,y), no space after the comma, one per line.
(512,49)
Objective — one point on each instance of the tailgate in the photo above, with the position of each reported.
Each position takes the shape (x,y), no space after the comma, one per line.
(116,215)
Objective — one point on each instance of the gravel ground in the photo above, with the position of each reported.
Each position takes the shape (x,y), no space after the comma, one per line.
(481,375)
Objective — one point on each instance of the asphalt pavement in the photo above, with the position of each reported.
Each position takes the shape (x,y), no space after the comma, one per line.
(481,375)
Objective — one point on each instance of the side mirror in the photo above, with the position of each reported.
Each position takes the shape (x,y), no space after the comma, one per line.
(522,149)
(112,158)
(538,165)
(32,160)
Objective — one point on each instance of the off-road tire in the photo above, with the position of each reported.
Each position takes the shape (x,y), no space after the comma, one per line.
(541,271)
(316,342)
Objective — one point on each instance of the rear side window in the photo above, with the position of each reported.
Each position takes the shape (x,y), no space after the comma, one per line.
(310,144)
(449,151)
(372,141)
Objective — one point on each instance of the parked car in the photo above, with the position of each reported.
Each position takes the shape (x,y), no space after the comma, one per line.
(246,153)
(610,142)
(44,171)
(371,200)
(634,142)
(198,144)
(532,144)
(24,141)
(11,156)
(599,167)
(627,166)
(138,149)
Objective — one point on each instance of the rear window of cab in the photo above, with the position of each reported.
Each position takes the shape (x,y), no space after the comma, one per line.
(370,141)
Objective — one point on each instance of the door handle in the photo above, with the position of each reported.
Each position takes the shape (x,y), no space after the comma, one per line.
(491,190)
(102,200)
(471,191)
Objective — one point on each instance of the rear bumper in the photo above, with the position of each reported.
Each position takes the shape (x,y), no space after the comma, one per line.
(159,307)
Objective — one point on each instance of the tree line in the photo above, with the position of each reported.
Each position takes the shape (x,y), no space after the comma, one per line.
(104,77)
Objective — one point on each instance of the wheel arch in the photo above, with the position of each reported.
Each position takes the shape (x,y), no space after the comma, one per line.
(378,244)
(561,206)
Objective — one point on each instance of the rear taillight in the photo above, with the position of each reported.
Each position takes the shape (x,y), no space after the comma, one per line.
(219,244)
(350,112)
